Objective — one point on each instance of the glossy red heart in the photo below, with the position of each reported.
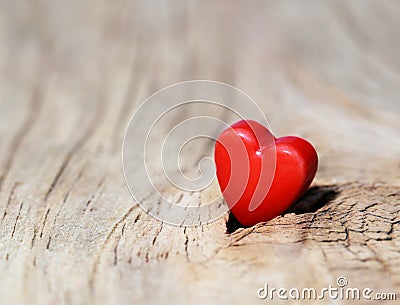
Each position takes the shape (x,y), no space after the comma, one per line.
(261,176)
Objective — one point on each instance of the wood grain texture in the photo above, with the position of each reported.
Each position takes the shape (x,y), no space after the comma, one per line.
(72,72)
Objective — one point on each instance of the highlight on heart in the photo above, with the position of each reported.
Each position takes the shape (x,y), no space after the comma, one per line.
(204,156)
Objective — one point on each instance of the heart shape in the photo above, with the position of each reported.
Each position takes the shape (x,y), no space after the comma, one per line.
(261,176)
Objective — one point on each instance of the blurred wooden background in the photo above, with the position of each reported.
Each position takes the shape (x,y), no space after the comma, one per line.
(71,72)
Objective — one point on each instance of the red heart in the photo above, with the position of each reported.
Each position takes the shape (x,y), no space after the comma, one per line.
(255,187)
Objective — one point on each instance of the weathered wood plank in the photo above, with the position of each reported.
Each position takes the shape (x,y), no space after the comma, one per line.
(71,74)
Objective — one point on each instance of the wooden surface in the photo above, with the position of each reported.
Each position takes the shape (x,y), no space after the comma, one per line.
(71,73)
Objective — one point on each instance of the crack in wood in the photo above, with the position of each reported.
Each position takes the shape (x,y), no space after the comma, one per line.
(16,219)
(10,197)
(22,133)
(107,240)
